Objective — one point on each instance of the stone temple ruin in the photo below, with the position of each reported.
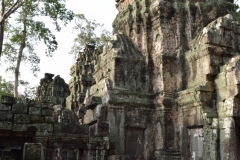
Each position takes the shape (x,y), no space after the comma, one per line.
(166,87)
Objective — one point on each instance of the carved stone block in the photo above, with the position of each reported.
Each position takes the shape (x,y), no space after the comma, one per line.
(33,151)
(6,116)
(35,110)
(5,125)
(99,129)
(49,119)
(9,100)
(47,112)
(119,157)
(69,142)
(4,107)
(21,118)
(43,127)
(88,117)
(19,109)
(37,119)
(71,128)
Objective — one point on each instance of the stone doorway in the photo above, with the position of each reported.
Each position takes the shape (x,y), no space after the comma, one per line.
(196,143)
(134,140)
(13,153)
(11,144)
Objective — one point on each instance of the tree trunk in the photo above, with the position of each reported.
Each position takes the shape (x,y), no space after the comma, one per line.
(4,16)
(17,71)
(2,27)
(1,36)
(20,54)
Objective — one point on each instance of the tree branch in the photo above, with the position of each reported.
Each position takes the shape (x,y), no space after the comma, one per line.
(11,10)
(3,8)
(2,27)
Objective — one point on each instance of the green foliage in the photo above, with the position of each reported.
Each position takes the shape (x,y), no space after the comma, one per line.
(236,4)
(89,32)
(6,88)
(36,31)
(29,92)
(27,32)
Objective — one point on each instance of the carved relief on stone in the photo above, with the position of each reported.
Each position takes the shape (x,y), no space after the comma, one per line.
(122,5)
(158,43)
(33,151)
(139,41)
(130,76)
(134,141)
(237,41)
(226,37)
(125,4)
(162,9)
(235,64)
(134,36)
(158,83)
(135,116)
(196,143)
(170,40)
(188,29)
(207,147)
(236,109)
(165,38)
(170,132)
(52,89)
(159,142)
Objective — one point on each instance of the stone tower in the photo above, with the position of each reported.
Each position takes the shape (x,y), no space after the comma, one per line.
(82,79)
(167,84)
(52,90)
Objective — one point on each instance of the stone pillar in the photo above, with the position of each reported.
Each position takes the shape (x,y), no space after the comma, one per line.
(227,139)
(116,122)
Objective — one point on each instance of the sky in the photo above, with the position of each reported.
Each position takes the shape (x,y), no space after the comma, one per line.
(103,11)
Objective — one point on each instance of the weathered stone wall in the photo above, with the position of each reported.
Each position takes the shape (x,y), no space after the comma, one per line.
(166,87)
(182,44)
(82,79)
(52,90)
(119,99)
(35,130)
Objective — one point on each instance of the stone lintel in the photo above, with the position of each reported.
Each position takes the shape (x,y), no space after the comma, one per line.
(71,128)
(9,100)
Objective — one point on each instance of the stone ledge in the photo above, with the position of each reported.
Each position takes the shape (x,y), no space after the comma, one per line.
(71,128)
(38,127)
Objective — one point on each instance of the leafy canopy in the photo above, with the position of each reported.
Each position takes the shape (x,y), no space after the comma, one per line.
(6,88)
(29,92)
(88,32)
(27,29)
